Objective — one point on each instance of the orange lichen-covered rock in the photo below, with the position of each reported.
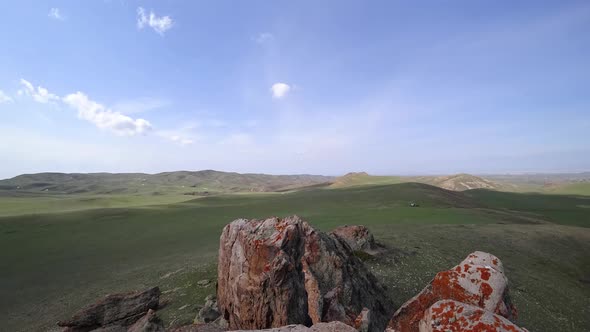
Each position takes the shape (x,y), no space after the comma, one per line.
(478,280)
(449,315)
(277,272)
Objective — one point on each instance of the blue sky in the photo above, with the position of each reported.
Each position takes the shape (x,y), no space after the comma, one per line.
(323,87)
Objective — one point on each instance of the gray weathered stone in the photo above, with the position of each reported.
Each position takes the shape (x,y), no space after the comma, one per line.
(121,309)
(358,237)
(148,323)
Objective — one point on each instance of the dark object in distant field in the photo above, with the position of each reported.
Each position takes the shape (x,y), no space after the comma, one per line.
(122,309)
(414,204)
(197,193)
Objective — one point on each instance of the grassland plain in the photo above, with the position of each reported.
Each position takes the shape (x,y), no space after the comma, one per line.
(53,263)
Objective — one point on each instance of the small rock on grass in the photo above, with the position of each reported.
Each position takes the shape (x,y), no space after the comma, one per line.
(203,282)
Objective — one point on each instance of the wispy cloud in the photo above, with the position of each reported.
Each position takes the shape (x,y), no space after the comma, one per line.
(105,118)
(114,119)
(39,94)
(160,24)
(182,136)
(264,37)
(180,140)
(54,13)
(4,98)
(139,105)
(280,90)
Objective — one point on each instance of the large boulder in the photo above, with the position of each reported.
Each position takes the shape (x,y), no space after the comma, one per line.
(121,309)
(449,315)
(277,272)
(478,280)
(359,238)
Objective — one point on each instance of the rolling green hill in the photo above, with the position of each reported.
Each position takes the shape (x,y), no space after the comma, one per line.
(568,184)
(201,183)
(557,183)
(579,188)
(457,182)
(168,182)
(363,179)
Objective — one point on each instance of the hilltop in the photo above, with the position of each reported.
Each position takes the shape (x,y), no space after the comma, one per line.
(459,182)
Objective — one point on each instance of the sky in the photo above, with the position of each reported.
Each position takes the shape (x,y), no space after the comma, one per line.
(291,87)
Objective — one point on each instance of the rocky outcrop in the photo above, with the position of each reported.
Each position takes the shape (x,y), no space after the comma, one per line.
(359,238)
(114,310)
(449,315)
(277,272)
(319,327)
(478,280)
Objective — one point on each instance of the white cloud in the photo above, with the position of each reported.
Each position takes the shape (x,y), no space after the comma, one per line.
(40,94)
(159,24)
(280,90)
(180,136)
(264,37)
(4,98)
(104,118)
(181,140)
(55,14)
(139,105)
(239,139)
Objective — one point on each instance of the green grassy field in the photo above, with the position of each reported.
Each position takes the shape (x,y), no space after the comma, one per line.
(53,263)
(36,204)
(582,188)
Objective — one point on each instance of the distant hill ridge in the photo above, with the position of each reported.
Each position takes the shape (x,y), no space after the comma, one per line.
(460,182)
(180,181)
(456,182)
(210,182)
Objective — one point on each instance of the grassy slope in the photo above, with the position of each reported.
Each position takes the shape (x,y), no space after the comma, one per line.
(457,182)
(36,204)
(581,188)
(571,210)
(52,264)
(565,184)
